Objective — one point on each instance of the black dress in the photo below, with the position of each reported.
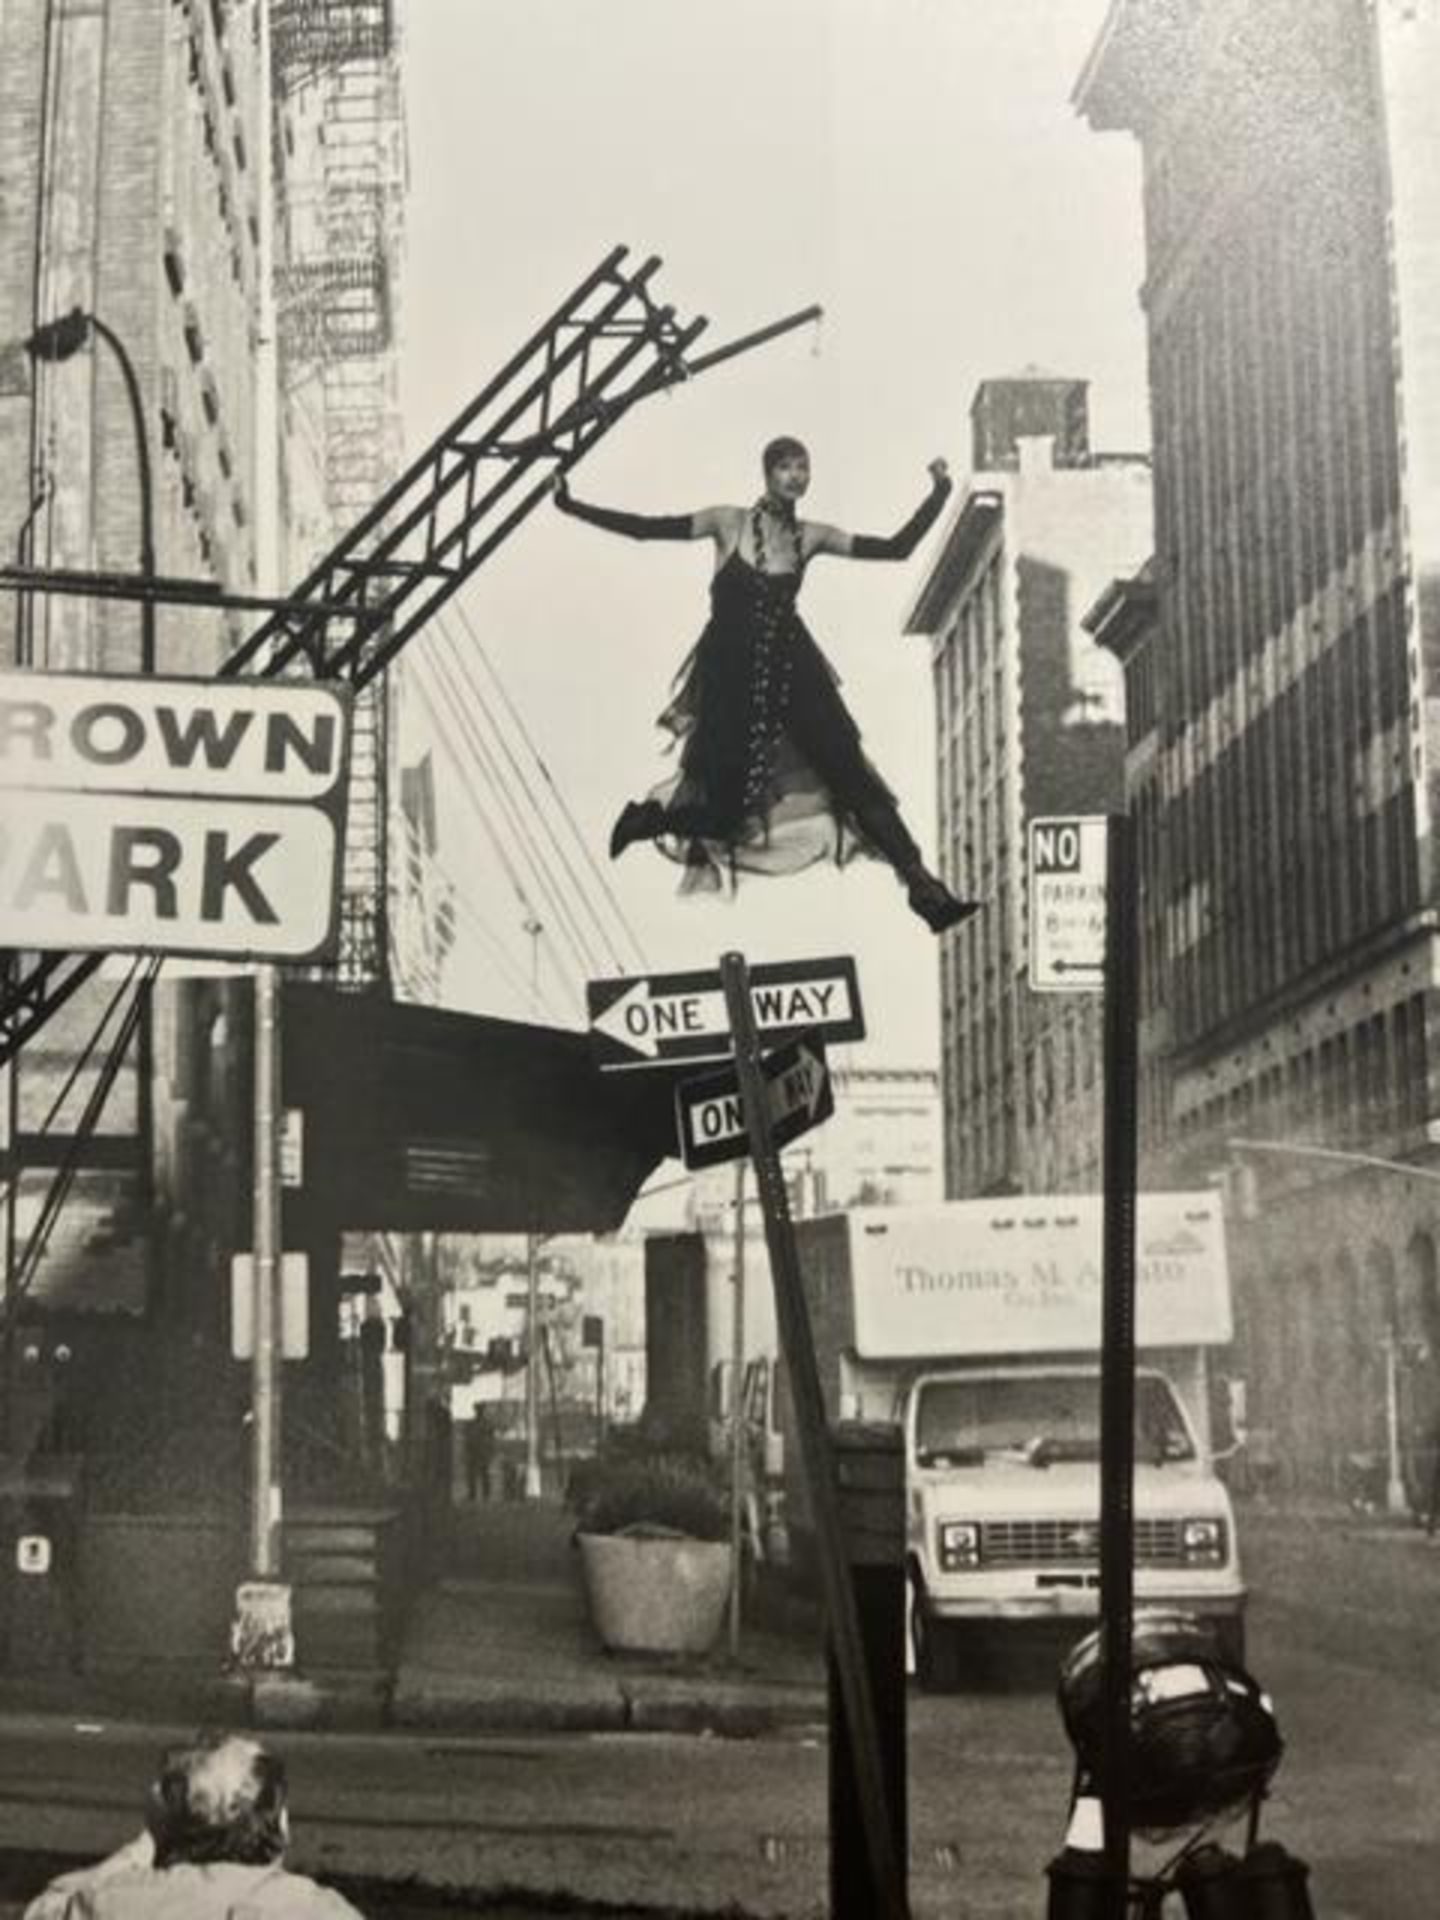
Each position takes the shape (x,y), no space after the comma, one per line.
(772,775)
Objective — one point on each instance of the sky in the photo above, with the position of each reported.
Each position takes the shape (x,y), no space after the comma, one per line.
(916,167)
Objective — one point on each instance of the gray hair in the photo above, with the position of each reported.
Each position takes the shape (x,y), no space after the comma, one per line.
(219,1797)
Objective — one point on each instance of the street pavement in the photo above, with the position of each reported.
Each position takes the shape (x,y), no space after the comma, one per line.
(612,1815)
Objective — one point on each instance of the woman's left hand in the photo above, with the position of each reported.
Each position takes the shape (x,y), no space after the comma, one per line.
(939,471)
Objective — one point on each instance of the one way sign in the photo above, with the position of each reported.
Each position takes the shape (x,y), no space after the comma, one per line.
(711,1119)
(664,1017)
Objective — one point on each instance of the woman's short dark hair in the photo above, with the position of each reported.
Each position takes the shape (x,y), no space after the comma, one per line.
(786,447)
(220,1797)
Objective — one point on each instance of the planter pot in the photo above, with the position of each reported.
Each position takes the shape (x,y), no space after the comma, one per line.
(656,1596)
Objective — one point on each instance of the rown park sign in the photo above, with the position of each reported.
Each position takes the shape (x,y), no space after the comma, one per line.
(167,815)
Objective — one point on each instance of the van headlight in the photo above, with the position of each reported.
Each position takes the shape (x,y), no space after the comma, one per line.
(1202,1543)
(959,1545)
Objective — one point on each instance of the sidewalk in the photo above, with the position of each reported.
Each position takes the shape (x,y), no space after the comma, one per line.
(505,1642)
(1358,1587)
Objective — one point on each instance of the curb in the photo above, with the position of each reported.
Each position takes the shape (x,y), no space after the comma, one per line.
(629,1706)
(294,1702)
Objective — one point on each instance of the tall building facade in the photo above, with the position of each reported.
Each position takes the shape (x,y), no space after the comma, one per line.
(132,169)
(128,173)
(1028,724)
(1290,764)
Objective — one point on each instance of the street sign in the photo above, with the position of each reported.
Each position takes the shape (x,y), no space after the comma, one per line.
(659,1018)
(710,1118)
(294,1329)
(1067,904)
(171,816)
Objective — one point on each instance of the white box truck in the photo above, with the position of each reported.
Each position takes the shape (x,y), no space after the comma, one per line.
(976,1325)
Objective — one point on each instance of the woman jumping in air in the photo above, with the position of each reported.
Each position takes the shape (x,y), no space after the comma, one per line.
(772,776)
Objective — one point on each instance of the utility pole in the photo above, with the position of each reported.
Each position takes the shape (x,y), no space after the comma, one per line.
(532,1366)
(266,1498)
(534,927)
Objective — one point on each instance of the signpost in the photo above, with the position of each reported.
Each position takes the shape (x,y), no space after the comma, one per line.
(880,1813)
(710,1115)
(1067,865)
(181,816)
(657,1019)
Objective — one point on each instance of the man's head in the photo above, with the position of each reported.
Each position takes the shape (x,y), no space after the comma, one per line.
(219,1798)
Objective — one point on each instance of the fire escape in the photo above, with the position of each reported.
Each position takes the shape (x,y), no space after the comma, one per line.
(338,86)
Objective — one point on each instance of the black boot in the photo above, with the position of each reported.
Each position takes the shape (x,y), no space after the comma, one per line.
(934,902)
(639,820)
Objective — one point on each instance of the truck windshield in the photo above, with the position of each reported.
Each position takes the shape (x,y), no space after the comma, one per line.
(1040,1421)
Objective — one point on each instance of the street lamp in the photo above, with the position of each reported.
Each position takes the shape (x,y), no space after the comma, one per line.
(60,340)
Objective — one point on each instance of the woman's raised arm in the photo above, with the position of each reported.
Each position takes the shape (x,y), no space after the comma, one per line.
(638,526)
(893,546)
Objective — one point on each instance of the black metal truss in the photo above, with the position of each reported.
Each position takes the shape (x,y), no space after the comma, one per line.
(606,347)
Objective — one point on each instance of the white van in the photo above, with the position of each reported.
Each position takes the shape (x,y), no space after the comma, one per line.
(976,1326)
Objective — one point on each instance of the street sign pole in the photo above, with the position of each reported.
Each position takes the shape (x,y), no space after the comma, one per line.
(877,1814)
(737,1412)
(1117,1361)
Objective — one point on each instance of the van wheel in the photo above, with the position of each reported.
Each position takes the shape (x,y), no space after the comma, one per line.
(937,1648)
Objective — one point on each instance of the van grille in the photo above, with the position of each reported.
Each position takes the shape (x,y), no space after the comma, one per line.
(1073,1543)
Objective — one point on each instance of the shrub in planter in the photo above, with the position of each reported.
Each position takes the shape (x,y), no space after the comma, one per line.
(653,1542)
(659,1493)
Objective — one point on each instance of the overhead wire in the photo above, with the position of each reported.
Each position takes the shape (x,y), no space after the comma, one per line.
(516,720)
(543,873)
(475,920)
(460,763)
(582,840)
(570,885)
(530,992)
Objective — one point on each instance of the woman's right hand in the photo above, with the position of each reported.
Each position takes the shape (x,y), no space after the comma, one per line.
(560,488)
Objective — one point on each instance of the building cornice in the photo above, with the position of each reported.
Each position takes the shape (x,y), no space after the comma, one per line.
(1124,615)
(965,540)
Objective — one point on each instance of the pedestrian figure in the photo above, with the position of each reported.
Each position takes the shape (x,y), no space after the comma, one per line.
(772,775)
(216,1830)
(479,1452)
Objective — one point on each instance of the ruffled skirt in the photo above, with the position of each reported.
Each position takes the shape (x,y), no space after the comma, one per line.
(772,776)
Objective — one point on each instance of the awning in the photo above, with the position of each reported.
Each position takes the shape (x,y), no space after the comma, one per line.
(417,1119)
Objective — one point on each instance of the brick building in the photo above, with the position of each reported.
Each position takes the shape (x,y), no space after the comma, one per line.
(1028,723)
(1285,759)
